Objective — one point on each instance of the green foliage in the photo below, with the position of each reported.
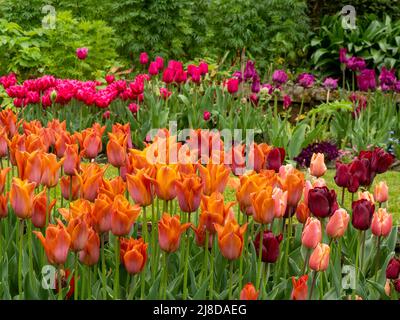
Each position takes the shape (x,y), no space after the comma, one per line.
(39,51)
(267,29)
(376,41)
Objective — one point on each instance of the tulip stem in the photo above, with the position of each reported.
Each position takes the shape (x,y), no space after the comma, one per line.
(76,266)
(133,286)
(48,207)
(313,284)
(144,224)
(362,251)
(21,237)
(185,272)
(204,269)
(259,267)
(266,275)
(70,192)
(230,279)
(378,251)
(357,262)
(117,262)
(211,287)
(89,292)
(103,266)
(241,261)
(289,229)
(60,289)
(308,251)
(342,202)
(163,291)
(29,223)
(153,244)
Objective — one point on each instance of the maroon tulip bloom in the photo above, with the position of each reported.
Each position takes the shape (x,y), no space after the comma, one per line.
(393,269)
(380,160)
(270,246)
(322,202)
(274,159)
(363,211)
(342,176)
(396,285)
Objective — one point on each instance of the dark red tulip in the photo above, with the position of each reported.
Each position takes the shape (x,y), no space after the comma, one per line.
(322,202)
(380,161)
(393,269)
(396,285)
(275,158)
(270,246)
(363,211)
(342,177)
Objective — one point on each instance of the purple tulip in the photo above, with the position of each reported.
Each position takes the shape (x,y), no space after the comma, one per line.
(286,101)
(330,83)
(366,80)
(255,86)
(279,77)
(342,55)
(306,80)
(356,64)
(387,79)
(250,71)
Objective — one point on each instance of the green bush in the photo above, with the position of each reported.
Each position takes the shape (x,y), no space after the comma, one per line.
(52,51)
(378,42)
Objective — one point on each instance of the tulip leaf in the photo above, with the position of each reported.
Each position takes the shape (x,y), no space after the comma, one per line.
(331,295)
(379,288)
(201,293)
(155,288)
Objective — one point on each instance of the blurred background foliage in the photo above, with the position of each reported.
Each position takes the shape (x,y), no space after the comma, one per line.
(282,33)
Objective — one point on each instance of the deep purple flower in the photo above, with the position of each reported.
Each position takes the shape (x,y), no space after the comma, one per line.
(397,86)
(306,80)
(362,214)
(279,77)
(267,86)
(366,80)
(270,246)
(255,86)
(330,83)
(342,55)
(387,79)
(356,64)
(238,75)
(250,71)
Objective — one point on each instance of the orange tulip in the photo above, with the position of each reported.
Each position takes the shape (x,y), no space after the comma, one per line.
(292,181)
(382,223)
(125,129)
(188,190)
(72,159)
(319,259)
(230,238)
(112,188)
(116,149)
(381,192)
(56,243)
(337,224)
(300,288)
(249,184)
(90,179)
(90,253)
(3,176)
(169,232)
(3,206)
(65,187)
(164,183)
(78,230)
(17,142)
(50,170)
(77,209)
(133,254)
(101,214)
(214,177)
(21,197)
(139,187)
(36,142)
(123,215)
(40,209)
(317,165)
(9,120)
(4,142)
(62,139)
(29,165)
(367,196)
(91,144)
(249,292)
(302,212)
(256,157)
(214,211)
(200,236)
(263,206)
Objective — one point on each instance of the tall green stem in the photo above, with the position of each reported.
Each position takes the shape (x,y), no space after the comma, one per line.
(76,266)
(230,279)
(21,239)
(103,266)
(117,262)
(259,265)
(185,272)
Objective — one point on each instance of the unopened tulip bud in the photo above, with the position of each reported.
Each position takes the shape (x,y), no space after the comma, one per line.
(381,192)
(317,165)
(337,224)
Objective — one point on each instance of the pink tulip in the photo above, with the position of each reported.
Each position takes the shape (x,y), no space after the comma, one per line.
(317,165)
(280,202)
(319,259)
(311,234)
(367,196)
(337,224)
(307,187)
(381,192)
(382,223)
(206,115)
(82,53)
(144,58)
